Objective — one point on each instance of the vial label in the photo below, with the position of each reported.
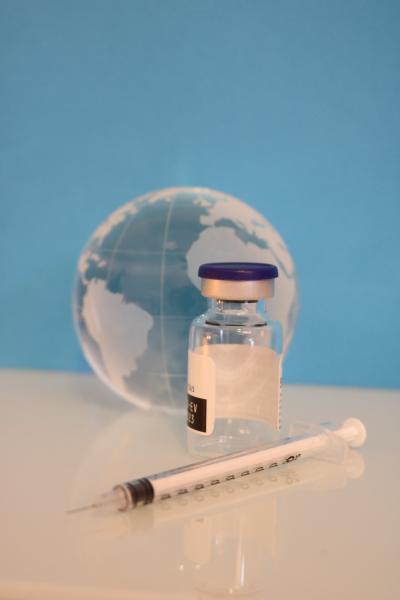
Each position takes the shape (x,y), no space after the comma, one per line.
(234,381)
(201,391)
(248,382)
(197,413)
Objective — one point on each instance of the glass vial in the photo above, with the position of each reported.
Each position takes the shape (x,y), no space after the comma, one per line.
(234,361)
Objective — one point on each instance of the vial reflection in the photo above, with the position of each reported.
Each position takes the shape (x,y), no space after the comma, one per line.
(231,544)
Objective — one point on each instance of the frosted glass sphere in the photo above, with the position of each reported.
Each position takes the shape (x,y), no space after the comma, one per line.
(137,288)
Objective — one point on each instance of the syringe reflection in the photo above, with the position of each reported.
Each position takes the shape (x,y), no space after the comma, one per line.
(230,532)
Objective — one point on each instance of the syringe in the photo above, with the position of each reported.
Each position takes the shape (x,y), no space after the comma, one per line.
(197,476)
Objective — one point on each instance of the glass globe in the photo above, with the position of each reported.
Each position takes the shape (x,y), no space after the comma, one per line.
(137,288)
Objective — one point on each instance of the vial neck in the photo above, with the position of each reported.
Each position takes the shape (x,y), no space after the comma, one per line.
(238,313)
(233,306)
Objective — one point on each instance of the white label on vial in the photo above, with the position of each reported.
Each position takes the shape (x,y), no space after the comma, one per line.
(233,380)
(201,391)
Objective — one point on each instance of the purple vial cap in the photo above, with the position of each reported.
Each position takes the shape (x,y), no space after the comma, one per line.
(238,271)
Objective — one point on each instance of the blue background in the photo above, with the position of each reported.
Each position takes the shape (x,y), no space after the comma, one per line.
(292,106)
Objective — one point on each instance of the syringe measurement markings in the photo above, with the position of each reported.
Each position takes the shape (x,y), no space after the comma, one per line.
(200,486)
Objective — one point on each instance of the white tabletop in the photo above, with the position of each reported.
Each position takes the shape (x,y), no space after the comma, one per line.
(312,530)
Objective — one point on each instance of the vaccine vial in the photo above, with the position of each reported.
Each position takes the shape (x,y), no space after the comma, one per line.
(234,361)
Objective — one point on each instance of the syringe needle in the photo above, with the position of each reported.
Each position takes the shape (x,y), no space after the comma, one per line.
(79,509)
(114,499)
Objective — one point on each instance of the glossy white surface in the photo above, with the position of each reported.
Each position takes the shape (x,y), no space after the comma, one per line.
(315,530)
